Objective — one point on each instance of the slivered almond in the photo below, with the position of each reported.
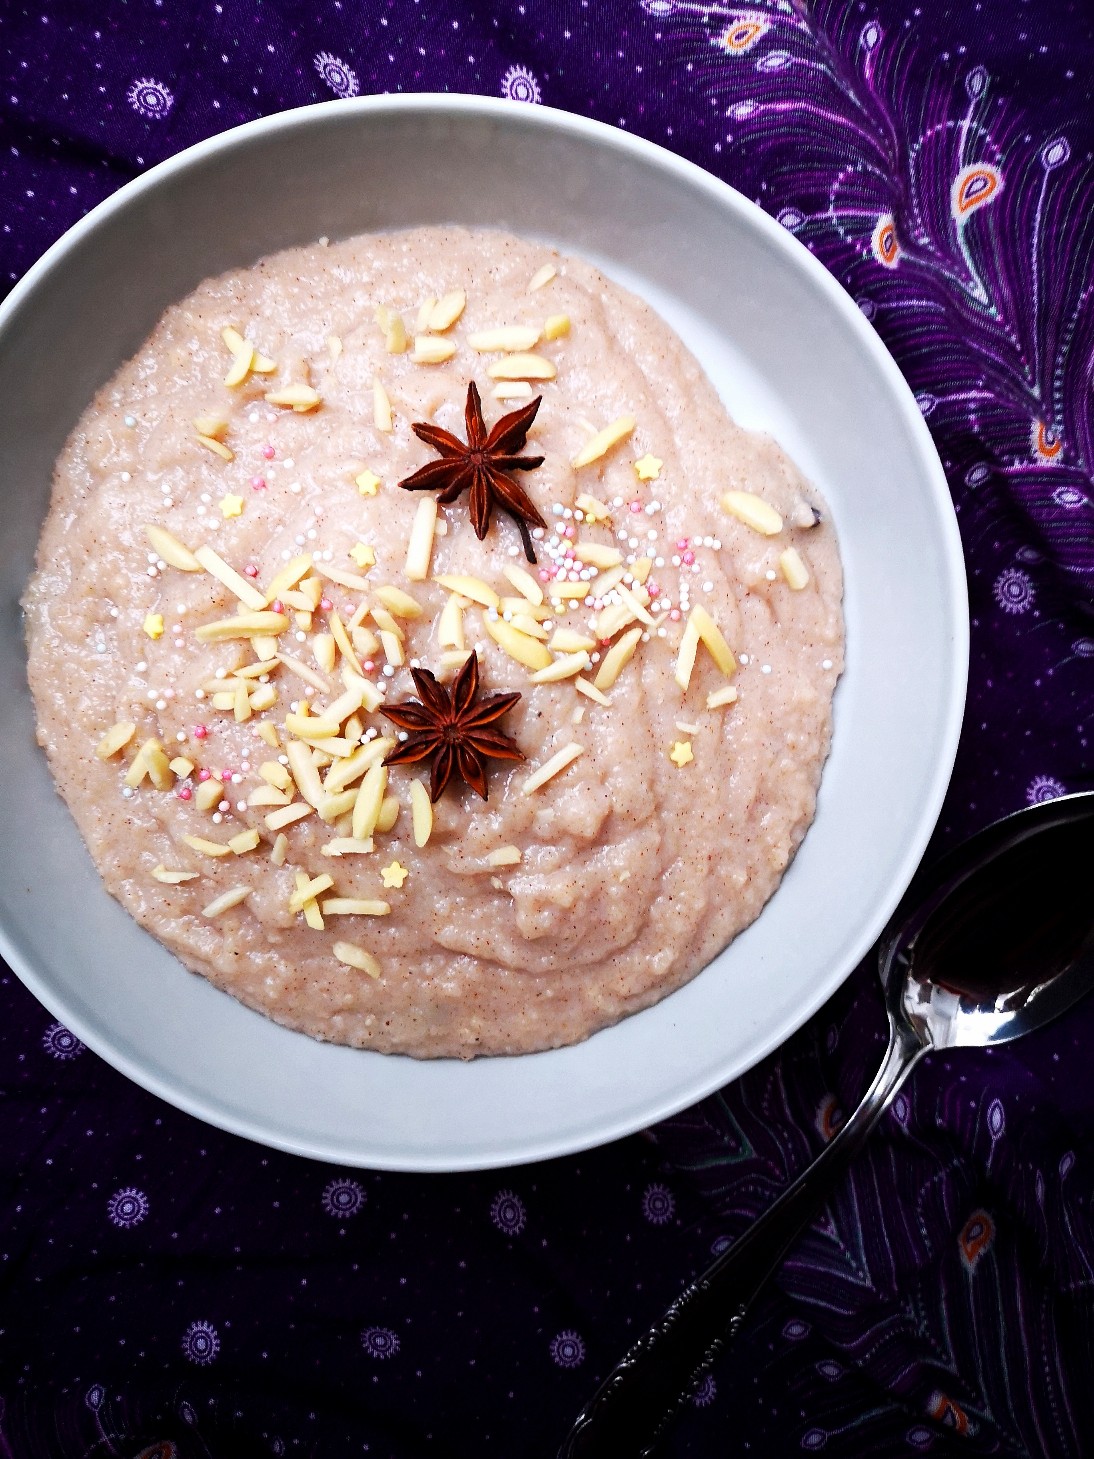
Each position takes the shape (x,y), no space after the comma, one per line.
(598,554)
(371,698)
(594,510)
(794,569)
(525,623)
(297,396)
(226,901)
(263,698)
(512,390)
(370,797)
(503,856)
(425,309)
(506,339)
(342,578)
(335,806)
(389,813)
(253,671)
(246,625)
(209,793)
(304,773)
(309,727)
(265,647)
(341,638)
(711,635)
(267,795)
(241,705)
(393,648)
(447,310)
(523,367)
(557,763)
(207,848)
(612,619)
(604,440)
(567,641)
(173,878)
(454,658)
(309,906)
(182,767)
(278,819)
(419,549)
(347,771)
(721,697)
(354,907)
(421,812)
(246,592)
(323,647)
(641,570)
(302,671)
(274,773)
(334,347)
(556,326)
(244,841)
(617,658)
(235,341)
(592,692)
(450,624)
(381,406)
(542,276)
(524,583)
(394,330)
(346,846)
(289,576)
(753,511)
(157,764)
(217,447)
(685,656)
(562,668)
(240,367)
(211,425)
(308,888)
(469,587)
(115,739)
(634,603)
(398,603)
(569,591)
(431,350)
(171,549)
(356,957)
(279,851)
(527,651)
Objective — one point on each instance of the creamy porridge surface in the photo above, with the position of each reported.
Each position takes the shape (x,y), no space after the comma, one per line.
(232,789)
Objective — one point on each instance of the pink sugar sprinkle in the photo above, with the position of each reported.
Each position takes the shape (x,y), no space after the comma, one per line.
(251,571)
(369,667)
(544,575)
(185,793)
(268,452)
(258,483)
(226,775)
(683,542)
(636,505)
(674,614)
(568,530)
(325,604)
(200,732)
(277,606)
(205,774)
(687,558)
(654,589)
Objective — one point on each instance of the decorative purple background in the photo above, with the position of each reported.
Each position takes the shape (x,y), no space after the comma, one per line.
(164,1284)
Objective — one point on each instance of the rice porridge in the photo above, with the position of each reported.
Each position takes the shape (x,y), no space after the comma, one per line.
(373,528)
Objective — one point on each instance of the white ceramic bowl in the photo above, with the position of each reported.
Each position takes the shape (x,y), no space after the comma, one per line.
(789,352)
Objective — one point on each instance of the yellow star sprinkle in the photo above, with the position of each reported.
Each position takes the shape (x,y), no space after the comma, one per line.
(231,506)
(363,556)
(368,483)
(680,754)
(394,875)
(153,625)
(648,467)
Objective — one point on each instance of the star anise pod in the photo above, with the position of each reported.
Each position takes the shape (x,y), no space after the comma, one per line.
(481,467)
(454,727)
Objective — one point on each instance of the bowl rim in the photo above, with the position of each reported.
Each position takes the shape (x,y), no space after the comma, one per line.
(603,135)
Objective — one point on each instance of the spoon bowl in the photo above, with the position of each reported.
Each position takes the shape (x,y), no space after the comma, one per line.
(988,945)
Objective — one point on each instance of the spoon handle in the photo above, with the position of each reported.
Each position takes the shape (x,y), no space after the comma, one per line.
(635,1405)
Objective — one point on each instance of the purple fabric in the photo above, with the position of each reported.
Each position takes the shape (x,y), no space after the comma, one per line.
(165,1284)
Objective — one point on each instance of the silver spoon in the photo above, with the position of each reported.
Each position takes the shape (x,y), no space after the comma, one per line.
(988,945)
